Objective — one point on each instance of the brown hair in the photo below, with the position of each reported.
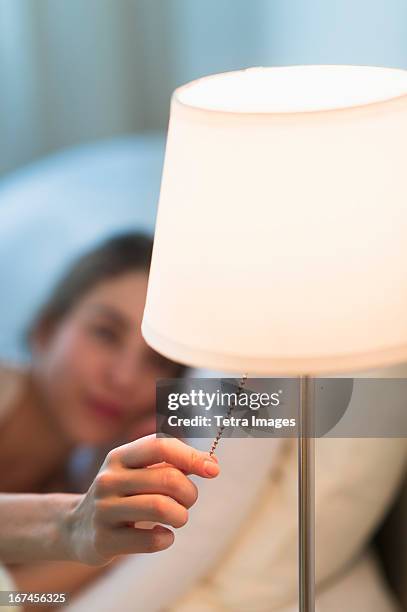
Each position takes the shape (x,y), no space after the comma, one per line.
(116,256)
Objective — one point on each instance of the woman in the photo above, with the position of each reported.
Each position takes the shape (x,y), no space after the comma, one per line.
(91,382)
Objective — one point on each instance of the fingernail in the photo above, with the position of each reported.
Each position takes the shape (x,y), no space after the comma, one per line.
(211,468)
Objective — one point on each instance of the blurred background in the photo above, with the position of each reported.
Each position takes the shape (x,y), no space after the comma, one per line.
(74,71)
(85,92)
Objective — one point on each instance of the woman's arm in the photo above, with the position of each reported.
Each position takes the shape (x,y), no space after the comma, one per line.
(34,527)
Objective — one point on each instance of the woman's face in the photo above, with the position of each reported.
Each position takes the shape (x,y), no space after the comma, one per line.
(96,374)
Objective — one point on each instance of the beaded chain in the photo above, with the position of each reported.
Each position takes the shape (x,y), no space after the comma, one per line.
(229,412)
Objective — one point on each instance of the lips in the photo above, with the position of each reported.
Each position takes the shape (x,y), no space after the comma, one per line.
(105,409)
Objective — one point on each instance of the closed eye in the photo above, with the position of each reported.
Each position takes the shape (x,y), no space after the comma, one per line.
(106,333)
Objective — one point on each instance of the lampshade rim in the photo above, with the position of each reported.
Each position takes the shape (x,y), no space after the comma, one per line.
(203,358)
(311,113)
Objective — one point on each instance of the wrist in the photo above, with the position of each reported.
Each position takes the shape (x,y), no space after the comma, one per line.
(63,536)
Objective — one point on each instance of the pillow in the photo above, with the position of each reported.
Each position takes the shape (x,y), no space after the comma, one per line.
(55,209)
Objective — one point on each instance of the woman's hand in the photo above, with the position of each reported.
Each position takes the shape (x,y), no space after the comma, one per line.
(144,480)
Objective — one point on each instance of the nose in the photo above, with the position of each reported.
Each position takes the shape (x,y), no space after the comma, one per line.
(123,371)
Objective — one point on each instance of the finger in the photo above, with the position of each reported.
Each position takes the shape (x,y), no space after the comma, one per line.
(129,540)
(164,480)
(150,450)
(154,508)
(164,463)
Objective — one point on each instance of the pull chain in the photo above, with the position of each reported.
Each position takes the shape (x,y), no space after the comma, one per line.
(229,412)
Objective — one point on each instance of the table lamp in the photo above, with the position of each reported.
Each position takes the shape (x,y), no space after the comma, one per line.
(280,244)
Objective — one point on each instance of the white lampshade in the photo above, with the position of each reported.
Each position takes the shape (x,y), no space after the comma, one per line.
(281,236)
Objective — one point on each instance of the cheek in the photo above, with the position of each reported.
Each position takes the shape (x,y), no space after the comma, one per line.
(145,398)
(145,391)
(72,359)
